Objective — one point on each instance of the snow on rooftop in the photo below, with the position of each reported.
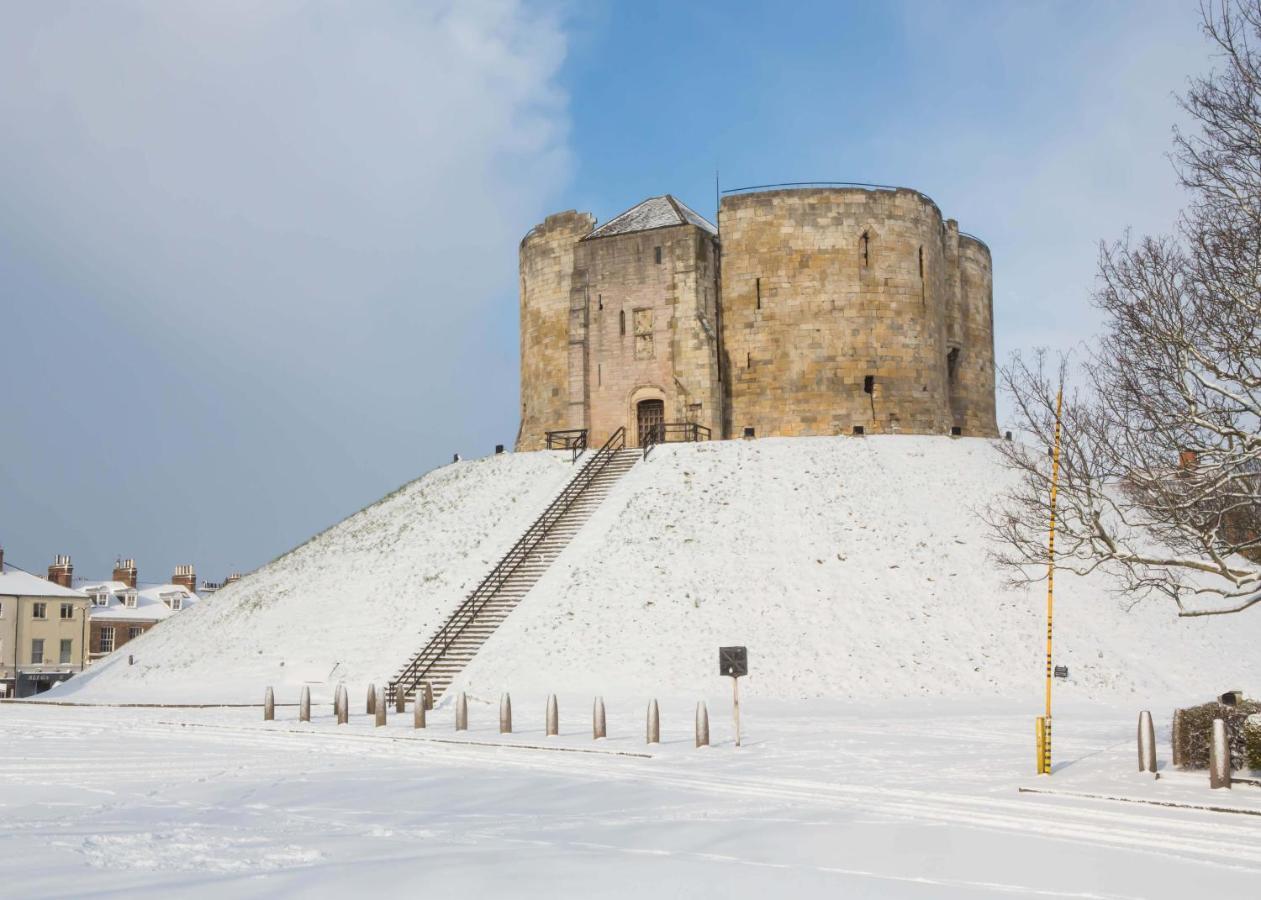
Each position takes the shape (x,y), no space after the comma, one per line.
(655,212)
(151,604)
(15,583)
(850,568)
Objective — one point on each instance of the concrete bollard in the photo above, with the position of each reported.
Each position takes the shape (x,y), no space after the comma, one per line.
(702,725)
(400,699)
(505,714)
(342,705)
(269,706)
(654,723)
(598,731)
(428,694)
(461,712)
(1219,757)
(418,713)
(553,717)
(370,706)
(1146,743)
(379,706)
(1176,736)
(304,705)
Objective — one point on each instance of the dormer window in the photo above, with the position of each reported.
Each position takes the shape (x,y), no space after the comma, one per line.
(100,598)
(173,600)
(129,599)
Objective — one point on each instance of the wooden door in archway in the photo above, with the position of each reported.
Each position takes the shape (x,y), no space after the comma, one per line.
(651,415)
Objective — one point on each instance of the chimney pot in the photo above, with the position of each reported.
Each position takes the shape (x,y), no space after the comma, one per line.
(61,571)
(186,577)
(125,571)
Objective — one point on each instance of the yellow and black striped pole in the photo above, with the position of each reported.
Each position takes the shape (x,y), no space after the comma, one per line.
(1044,763)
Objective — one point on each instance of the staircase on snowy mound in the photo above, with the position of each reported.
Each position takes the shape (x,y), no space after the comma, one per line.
(475,620)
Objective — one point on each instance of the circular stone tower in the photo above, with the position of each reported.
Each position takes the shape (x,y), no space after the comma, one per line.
(850,310)
(552,394)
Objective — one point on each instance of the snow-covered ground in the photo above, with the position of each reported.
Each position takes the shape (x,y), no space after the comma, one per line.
(826,799)
(851,568)
(888,712)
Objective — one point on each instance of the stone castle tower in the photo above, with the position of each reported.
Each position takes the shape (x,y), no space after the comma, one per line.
(820,310)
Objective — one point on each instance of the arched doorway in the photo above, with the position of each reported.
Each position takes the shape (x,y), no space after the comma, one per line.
(650,416)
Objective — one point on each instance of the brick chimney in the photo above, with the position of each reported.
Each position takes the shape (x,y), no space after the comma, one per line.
(235,576)
(61,571)
(186,578)
(125,571)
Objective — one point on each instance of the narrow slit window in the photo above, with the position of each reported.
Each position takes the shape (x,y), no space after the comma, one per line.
(621,323)
(599,374)
(758,288)
(952,365)
(864,246)
(869,384)
(656,252)
(599,301)
(748,360)
(921,263)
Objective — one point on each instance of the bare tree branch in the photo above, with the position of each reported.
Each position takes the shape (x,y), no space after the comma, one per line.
(1160,468)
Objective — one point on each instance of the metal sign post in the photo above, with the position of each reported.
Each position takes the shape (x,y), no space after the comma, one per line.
(734,662)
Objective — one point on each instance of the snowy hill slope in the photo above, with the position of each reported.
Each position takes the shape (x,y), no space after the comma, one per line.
(851,568)
(353,603)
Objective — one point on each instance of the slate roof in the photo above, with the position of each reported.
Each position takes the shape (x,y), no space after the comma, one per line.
(655,212)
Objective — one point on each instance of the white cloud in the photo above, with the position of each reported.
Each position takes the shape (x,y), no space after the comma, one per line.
(278,225)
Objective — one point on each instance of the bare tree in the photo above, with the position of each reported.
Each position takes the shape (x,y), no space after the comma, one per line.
(1160,470)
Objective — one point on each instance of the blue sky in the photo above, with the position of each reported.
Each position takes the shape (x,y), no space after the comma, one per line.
(258,262)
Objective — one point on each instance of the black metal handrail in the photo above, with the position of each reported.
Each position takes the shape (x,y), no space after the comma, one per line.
(573,439)
(672,432)
(466,613)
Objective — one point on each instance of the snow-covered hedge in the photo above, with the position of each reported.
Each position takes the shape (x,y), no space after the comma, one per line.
(1197,730)
(1252,741)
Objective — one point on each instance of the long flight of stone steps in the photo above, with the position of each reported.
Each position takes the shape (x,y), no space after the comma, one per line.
(458,640)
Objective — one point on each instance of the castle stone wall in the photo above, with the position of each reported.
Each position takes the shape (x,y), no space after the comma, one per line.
(651,332)
(550,398)
(825,329)
(974,409)
(816,311)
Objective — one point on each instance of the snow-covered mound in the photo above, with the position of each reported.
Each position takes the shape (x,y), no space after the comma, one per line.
(849,567)
(351,604)
(852,568)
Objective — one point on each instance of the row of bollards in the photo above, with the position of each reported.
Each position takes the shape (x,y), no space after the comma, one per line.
(1219,774)
(375,706)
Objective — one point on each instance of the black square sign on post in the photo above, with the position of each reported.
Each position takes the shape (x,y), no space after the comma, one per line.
(733,661)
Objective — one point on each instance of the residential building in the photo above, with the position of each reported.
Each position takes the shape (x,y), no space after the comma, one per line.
(121,609)
(43,631)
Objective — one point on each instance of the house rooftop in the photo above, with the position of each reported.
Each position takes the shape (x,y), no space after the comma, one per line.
(16,583)
(151,603)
